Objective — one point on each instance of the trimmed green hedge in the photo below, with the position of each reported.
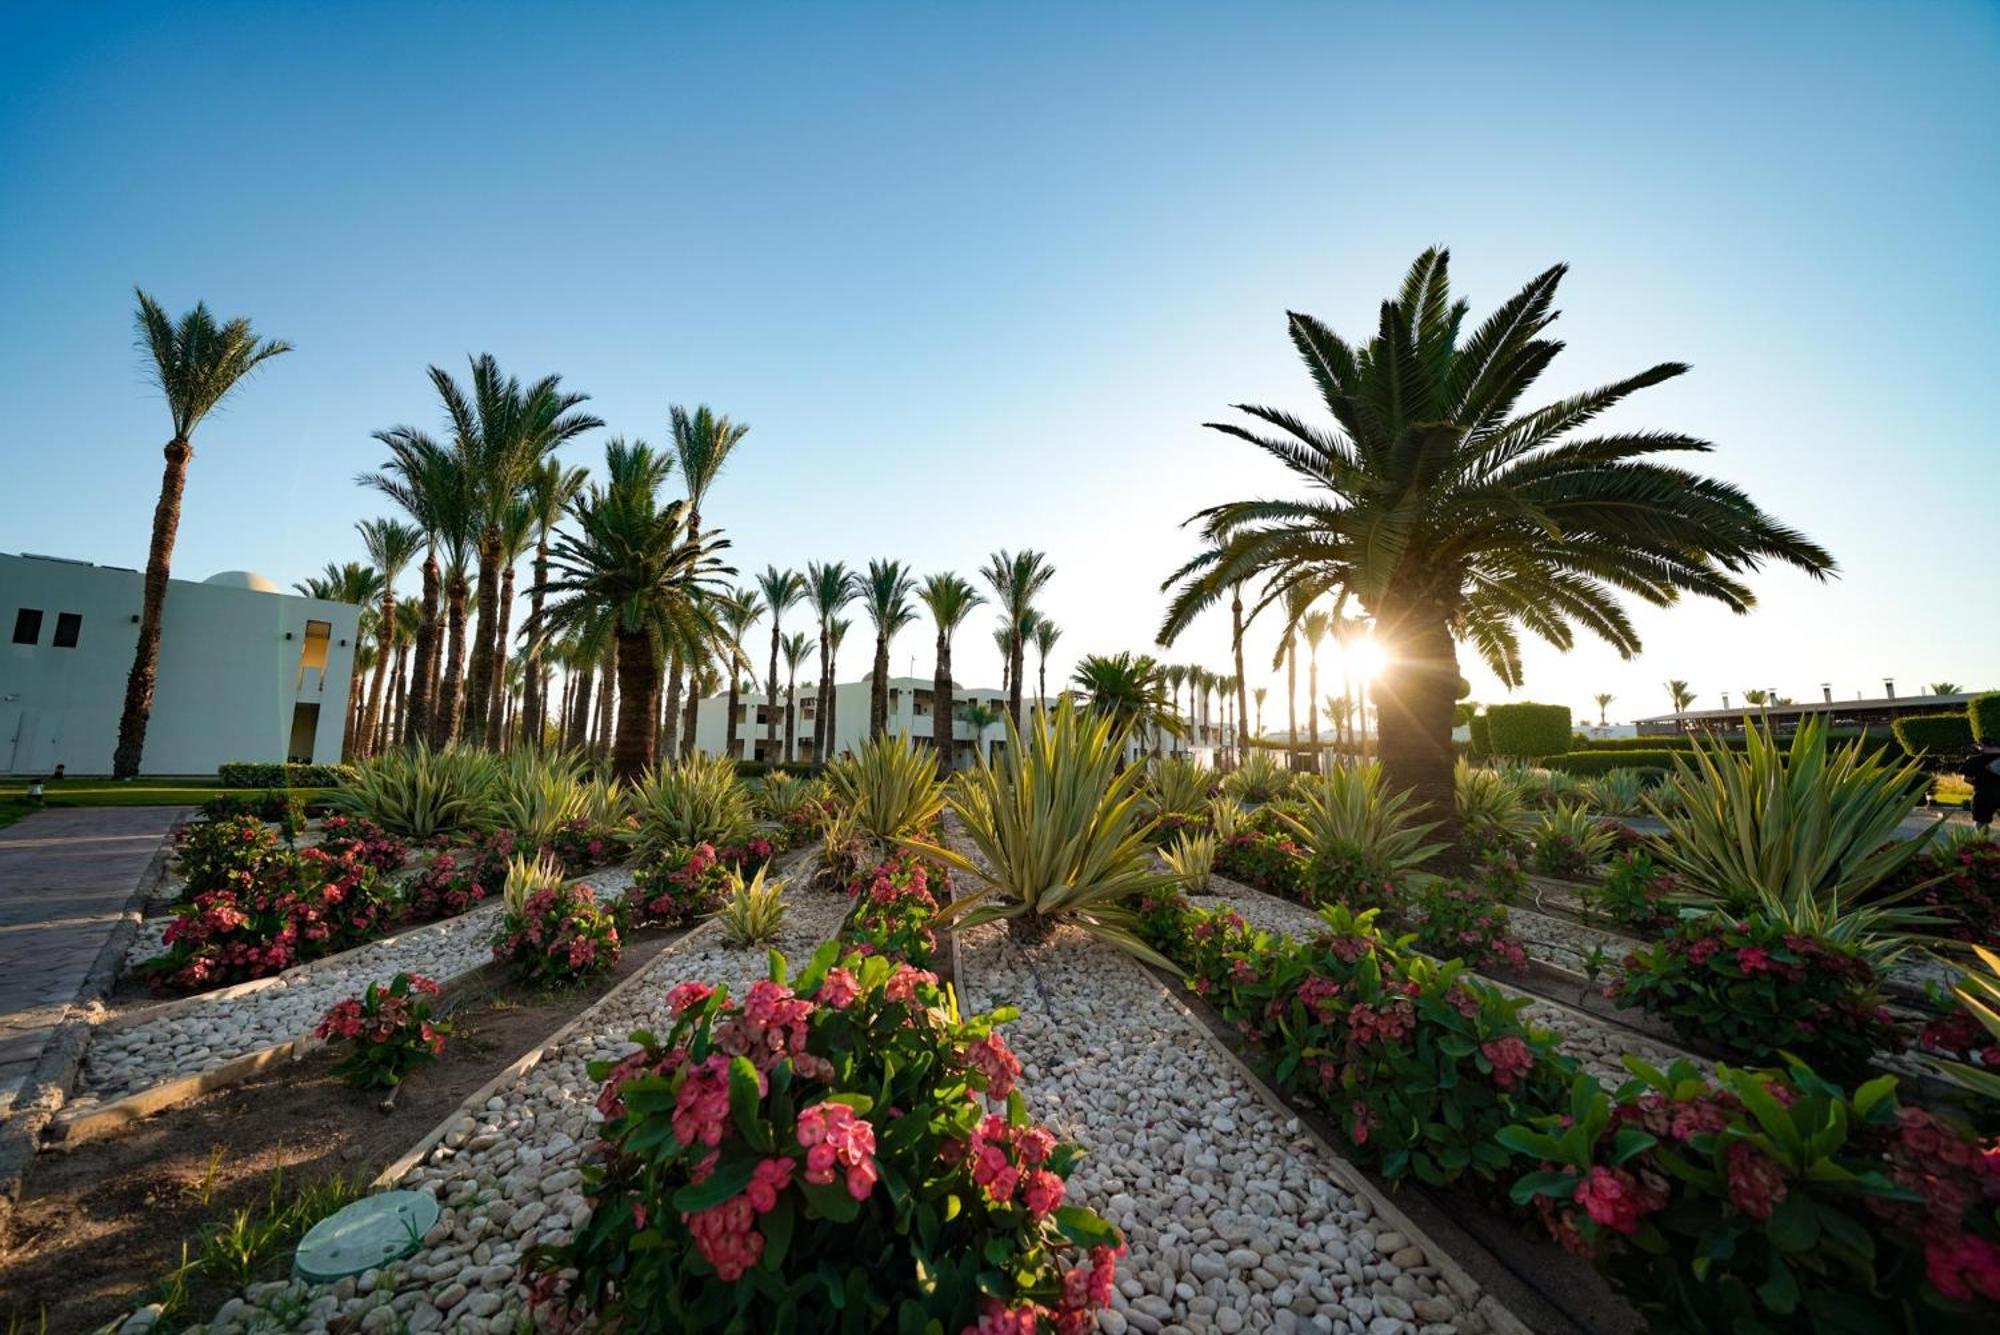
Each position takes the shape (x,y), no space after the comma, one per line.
(1590,764)
(1937,735)
(1529,729)
(1482,737)
(1984,711)
(266,774)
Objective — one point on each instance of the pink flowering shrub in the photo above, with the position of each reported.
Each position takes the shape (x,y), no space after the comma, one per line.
(578,846)
(677,887)
(1349,877)
(291,908)
(1961,885)
(821,1156)
(1755,991)
(362,841)
(558,935)
(1418,1065)
(1268,862)
(1769,1202)
(1452,919)
(390,1031)
(893,909)
(222,854)
(446,888)
(1633,894)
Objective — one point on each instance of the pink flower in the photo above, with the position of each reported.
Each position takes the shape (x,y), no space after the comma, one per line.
(1753,959)
(831,1135)
(902,984)
(991,1057)
(702,1107)
(839,990)
(1756,1184)
(1963,1266)
(1044,1192)
(727,1237)
(770,1177)
(996,1318)
(1614,1198)
(686,997)
(1511,1060)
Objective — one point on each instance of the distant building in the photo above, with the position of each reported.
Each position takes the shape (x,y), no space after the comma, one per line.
(246,672)
(1879,712)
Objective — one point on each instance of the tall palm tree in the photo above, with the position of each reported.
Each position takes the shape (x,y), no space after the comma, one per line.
(1129,688)
(703,442)
(550,490)
(196,363)
(1258,696)
(797,645)
(391,545)
(1450,516)
(1314,625)
(1174,675)
(629,568)
(782,590)
(829,588)
(1297,599)
(515,532)
(1016,577)
(1236,648)
(1604,699)
(409,617)
(950,600)
(979,715)
(1944,688)
(1003,640)
(836,632)
(739,612)
(1046,633)
(885,596)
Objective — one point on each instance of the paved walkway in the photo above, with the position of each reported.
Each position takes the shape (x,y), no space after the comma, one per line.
(65,876)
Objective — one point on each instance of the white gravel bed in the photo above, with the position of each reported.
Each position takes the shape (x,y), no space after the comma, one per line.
(509,1175)
(1566,944)
(1235,1217)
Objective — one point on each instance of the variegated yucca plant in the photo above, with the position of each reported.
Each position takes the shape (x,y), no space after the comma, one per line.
(418,792)
(1192,858)
(688,802)
(890,786)
(537,793)
(754,911)
(1177,787)
(1348,813)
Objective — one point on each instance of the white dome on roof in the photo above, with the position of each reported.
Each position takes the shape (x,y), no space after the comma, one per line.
(242,579)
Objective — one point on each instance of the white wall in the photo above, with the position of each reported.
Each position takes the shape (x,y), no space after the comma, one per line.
(228,680)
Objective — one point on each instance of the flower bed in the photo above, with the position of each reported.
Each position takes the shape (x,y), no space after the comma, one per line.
(1964,888)
(1268,862)
(222,854)
(893,910)
(558,934)
(682,885)
(826,1139)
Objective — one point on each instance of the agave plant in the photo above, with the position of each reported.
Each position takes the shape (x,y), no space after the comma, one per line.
(1569,840)
(1059,833)
(1192,858)
(1492,805)
(1348,814)
(778,795)
(604,804)
(1980,995)
(693,801)
(1227,817)
(1620,792)
(754,911)
(1805,835)
(1176,787)
(420,792)
(527,879)
(1260,778)
(535,794)
(890,786)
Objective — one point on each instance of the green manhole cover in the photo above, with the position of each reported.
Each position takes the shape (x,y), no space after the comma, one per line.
(371,1232)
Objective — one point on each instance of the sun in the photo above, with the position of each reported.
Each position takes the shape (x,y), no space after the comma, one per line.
(1367,659)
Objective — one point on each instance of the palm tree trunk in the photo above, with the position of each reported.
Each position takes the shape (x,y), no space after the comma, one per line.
(1016,664)
(823,702)
(1042,684)
(496,731)
(1413,708)
(479,673)
(791,712)
(451,697)
(1242,699)
(878,690)
(607,696)
(145,674)
(729,726)
(771,697)
(638,706)
(670,730)
(392,715)
(942,711)
(417,718)
(690,715)
(1292,699)
(535,704)
(373,718)
(832,706)
(1312,705)
(576,736)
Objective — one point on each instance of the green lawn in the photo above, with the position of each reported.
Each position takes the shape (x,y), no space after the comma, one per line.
(166,791)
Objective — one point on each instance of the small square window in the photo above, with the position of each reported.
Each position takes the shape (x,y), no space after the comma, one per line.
(28,625)
(68,626)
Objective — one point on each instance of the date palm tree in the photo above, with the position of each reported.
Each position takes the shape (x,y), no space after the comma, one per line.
(1046,633)
(1682,697)
(980,715)
(516,530)
(1604,699)
(627,567)
(1236,648)
(739,612)
(885,596)
(1016,578)
(1314,626)
(797,645)
(391,545)
(196,363)
(950,600)
(1944,688)
(703,441)
(836,633)
(1296,601)
(1258,695)
(1127,688)
(550,490)
(1003,640)
(1451,516)
(782,590)
(829,588)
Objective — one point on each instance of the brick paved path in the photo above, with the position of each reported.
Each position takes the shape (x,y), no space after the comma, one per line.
(65,876)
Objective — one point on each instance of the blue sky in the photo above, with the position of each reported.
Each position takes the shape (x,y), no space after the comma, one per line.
(977,274)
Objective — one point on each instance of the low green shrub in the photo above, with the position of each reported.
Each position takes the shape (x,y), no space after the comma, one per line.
(818,1157)
(268,774)
(1528,730)
(1455,920)
(286,809)
(1936,736)
(1593,763)
(1481,745)
(1984,713)
(222,854)
(1633,893)
(894,910)
(1755,991)
(1768,1202)
(672,888)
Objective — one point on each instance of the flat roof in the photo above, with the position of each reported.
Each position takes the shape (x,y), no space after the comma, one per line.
(1797,707)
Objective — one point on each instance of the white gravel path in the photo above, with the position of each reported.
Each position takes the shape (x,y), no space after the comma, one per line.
(508,1176)
(1235,1217)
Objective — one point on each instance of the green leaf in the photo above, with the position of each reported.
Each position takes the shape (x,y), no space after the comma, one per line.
(1872,1093)
(1794,1225)
(729,1177)
(830,1201)
(1779,1292)
(1545,1182)
(745,1103)
(777,1229)
(1084,1227)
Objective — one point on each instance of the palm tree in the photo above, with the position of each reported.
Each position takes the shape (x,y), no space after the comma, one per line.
(739,611)
(1003,640)
(979,715)
(515,530)
(391,545)
(703,443)
(836,632)
(1944,688)
(1236,648)
(550,490)
(1604,699)
(502,432)
(196,363)
(426,480)
(630,569)
(1347,632)
(1757,696)
(1015,579)
(1450,517)
(1258,696)
(950,600)
(1174,675)
(796,648)
(1314,625)
(1045,635)
(1128,688)
(782,590)
(409,618)
(829,588)
(885,596)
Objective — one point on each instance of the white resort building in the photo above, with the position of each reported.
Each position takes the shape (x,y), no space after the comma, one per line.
(247,672)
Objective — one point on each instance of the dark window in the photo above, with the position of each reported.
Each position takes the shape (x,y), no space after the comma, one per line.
(28,625)
(68,625)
